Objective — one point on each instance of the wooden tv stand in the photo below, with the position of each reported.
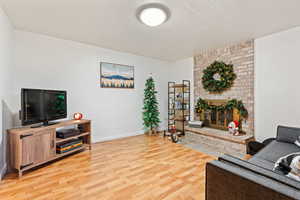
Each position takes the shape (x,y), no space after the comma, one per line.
(31,147)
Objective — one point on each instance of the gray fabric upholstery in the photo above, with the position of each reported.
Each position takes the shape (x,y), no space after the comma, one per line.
(260,170)
(287,134)
(231,182)
(255,176)
(262,163)
(276,150)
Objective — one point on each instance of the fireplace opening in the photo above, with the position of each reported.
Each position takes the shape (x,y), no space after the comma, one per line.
(217,118)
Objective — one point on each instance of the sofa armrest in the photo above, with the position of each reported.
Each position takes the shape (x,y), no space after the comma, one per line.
(287,134)
(260,171)
(230,182)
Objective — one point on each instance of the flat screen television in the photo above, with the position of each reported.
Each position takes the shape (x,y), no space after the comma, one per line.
(42,106)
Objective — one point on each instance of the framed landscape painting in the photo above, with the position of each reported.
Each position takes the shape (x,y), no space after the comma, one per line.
(116,75)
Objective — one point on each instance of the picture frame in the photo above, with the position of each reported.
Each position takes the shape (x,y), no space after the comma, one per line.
(116,76)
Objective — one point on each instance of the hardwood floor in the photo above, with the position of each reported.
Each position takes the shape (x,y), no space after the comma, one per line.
(135,168)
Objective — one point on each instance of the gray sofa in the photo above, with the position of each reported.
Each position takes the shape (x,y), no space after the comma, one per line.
(230,178)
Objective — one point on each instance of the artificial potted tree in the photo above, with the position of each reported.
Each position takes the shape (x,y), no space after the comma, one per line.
(150,109)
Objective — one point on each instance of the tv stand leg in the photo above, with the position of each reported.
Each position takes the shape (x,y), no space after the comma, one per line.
(20,173)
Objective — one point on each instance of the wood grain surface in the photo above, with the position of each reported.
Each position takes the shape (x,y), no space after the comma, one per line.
(135,168)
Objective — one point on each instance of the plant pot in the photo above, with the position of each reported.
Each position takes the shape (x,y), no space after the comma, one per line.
(151,132)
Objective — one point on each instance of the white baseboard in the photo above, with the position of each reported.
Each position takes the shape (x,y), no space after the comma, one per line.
(3,171)
(114,137)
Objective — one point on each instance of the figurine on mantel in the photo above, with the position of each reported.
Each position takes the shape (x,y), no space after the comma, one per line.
(233,128)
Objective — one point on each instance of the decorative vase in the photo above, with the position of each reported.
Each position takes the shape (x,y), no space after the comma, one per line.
(77,116)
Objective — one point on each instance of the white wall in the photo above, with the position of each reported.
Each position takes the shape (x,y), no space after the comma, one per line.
(6,60)
(45,62)
(184,70)
(50,63)
(6,49)
(277,81)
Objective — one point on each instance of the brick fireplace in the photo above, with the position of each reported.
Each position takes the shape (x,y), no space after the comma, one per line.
(241,55)
(215,133)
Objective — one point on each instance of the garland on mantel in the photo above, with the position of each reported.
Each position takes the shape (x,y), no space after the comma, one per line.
(218,77)
(202,105)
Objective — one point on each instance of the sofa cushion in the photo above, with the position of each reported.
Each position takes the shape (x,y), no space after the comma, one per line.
(276,150)
(287,134)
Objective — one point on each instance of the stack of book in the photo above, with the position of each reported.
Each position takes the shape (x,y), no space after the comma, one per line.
(69,146)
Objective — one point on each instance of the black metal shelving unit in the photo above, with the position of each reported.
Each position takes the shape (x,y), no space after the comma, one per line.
(179,107)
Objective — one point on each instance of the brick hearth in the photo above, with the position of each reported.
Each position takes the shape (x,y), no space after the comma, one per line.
(220,141)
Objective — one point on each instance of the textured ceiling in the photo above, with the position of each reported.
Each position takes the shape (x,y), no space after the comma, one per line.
(194,25)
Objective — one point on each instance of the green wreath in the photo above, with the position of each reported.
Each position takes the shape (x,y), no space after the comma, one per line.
(218,77)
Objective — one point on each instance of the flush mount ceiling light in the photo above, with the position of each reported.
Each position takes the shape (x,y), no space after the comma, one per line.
(153,14)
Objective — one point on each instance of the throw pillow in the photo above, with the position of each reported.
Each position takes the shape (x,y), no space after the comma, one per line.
(298,142)
(287,134)
(289,166)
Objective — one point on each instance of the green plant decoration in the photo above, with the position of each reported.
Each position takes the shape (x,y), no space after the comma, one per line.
(218,77)
(150,109)
(202,105)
